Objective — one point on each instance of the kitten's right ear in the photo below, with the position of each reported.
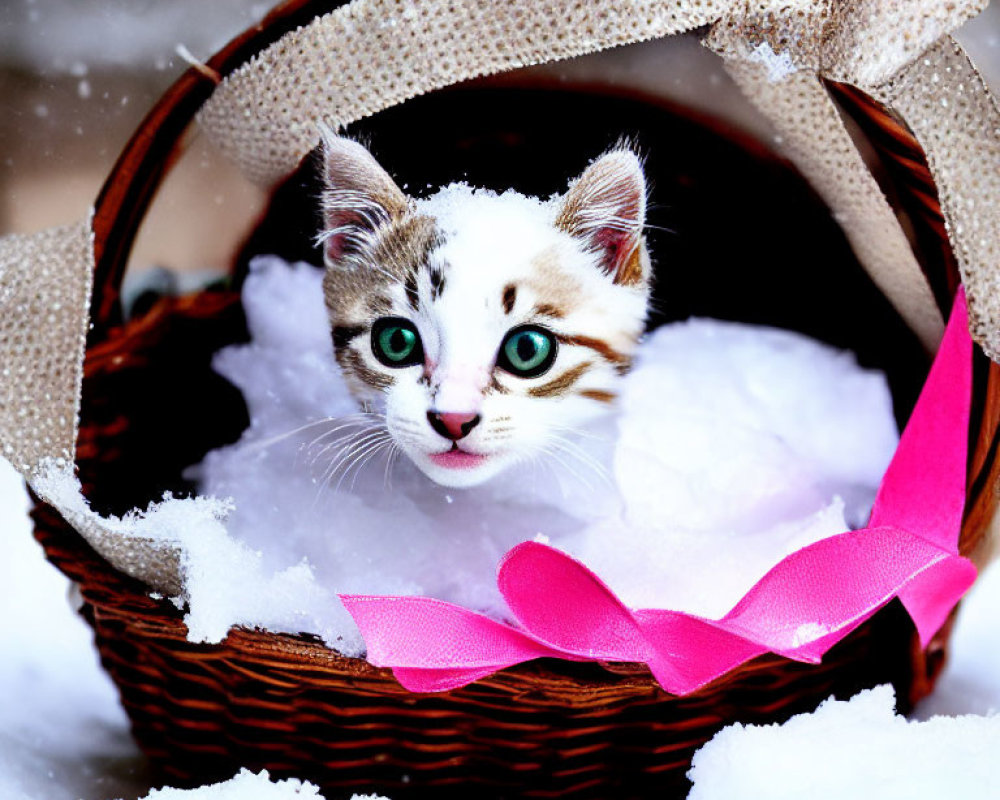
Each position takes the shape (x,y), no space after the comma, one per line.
(359,197)
(605,209)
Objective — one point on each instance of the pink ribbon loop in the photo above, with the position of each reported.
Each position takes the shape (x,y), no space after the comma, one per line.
(803,606)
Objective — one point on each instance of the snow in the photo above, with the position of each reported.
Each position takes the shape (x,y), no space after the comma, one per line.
(224,579)
(248,786)
(970,683)
(736,446)
(856,748)
(62,734)
(778,66)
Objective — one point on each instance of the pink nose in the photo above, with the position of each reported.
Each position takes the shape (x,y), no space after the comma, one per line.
(452,426)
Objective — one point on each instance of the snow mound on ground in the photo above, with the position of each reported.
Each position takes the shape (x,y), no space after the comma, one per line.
(855,748)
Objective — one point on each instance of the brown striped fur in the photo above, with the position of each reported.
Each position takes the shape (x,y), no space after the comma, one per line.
(599,346)
(600,395)
(561,384)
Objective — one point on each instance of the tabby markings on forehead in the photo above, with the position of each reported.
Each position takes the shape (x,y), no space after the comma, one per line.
(549,310)
(561,384)
(379,305)
(438,282)
(509,298)
(412,297)
(403,246)
(559,288)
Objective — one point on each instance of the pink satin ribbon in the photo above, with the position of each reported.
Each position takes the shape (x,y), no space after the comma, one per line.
(807,603)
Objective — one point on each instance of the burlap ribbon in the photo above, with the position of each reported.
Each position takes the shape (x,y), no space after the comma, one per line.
(45,285)
(371,54)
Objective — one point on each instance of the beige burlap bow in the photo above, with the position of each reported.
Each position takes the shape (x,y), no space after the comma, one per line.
(372,54)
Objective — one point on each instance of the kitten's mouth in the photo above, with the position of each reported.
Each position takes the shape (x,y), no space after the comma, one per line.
(456,458)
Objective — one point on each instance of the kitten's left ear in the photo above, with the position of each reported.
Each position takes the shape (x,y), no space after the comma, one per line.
(606,209)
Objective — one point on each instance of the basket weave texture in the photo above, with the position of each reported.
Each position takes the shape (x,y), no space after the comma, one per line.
(152,406)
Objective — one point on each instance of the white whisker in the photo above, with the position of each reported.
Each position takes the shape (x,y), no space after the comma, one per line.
(358,459)
(553,452)
(273,440)
(566,452)
(346,453)
(389,461)
(363,460)
(573,449)
(340,443)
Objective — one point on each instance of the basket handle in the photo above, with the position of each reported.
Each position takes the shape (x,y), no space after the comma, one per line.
(154,148)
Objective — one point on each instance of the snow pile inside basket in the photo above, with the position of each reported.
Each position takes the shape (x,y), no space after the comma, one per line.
(735,447)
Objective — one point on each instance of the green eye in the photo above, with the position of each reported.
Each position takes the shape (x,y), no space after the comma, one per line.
(527,351)
(396,343)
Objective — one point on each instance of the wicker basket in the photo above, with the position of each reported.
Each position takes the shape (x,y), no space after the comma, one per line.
(152,406)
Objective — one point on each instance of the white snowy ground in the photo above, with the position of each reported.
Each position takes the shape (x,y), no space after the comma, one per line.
(62,734)
(63,737)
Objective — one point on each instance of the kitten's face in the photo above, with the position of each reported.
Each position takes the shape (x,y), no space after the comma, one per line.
(485,327)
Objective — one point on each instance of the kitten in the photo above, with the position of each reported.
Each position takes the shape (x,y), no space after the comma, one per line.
(483,326)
